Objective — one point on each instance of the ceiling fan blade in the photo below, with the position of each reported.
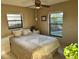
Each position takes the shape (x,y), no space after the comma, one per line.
(34,7)
(45,5)
(38,5)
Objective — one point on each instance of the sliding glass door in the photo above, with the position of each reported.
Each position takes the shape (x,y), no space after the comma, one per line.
(55,24)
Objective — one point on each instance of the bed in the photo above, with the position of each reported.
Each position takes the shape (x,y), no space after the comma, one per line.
(33,46)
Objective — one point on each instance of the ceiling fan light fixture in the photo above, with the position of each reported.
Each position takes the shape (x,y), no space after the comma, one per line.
(37,7)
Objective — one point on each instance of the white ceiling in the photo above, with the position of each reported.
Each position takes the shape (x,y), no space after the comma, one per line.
(27,3)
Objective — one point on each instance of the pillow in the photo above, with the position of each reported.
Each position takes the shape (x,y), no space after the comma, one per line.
(26,31)
(17,32)
(36,32)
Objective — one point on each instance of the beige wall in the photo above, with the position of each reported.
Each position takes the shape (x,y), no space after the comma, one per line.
(28,17)
(69,9)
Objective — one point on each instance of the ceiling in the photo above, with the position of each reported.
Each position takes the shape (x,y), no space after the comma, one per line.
(28,3)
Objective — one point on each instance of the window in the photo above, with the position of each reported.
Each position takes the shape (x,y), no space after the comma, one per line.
(55,24)
(14,21)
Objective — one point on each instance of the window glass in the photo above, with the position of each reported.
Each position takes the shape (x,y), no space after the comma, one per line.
(56,22)
(14,21)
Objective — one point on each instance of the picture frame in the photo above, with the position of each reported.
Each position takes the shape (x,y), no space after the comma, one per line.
(43,18)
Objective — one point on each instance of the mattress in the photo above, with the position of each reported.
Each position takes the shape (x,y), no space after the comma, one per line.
(36,45)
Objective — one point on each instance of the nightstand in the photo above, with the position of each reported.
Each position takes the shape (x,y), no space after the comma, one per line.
(5,45)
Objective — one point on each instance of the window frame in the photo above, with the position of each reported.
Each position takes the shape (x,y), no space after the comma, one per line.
(53,24)
(15,20)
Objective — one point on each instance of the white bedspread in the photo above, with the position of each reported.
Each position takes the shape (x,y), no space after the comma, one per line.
(38,44)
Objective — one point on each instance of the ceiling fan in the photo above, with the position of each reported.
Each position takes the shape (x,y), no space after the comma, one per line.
(38,4)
